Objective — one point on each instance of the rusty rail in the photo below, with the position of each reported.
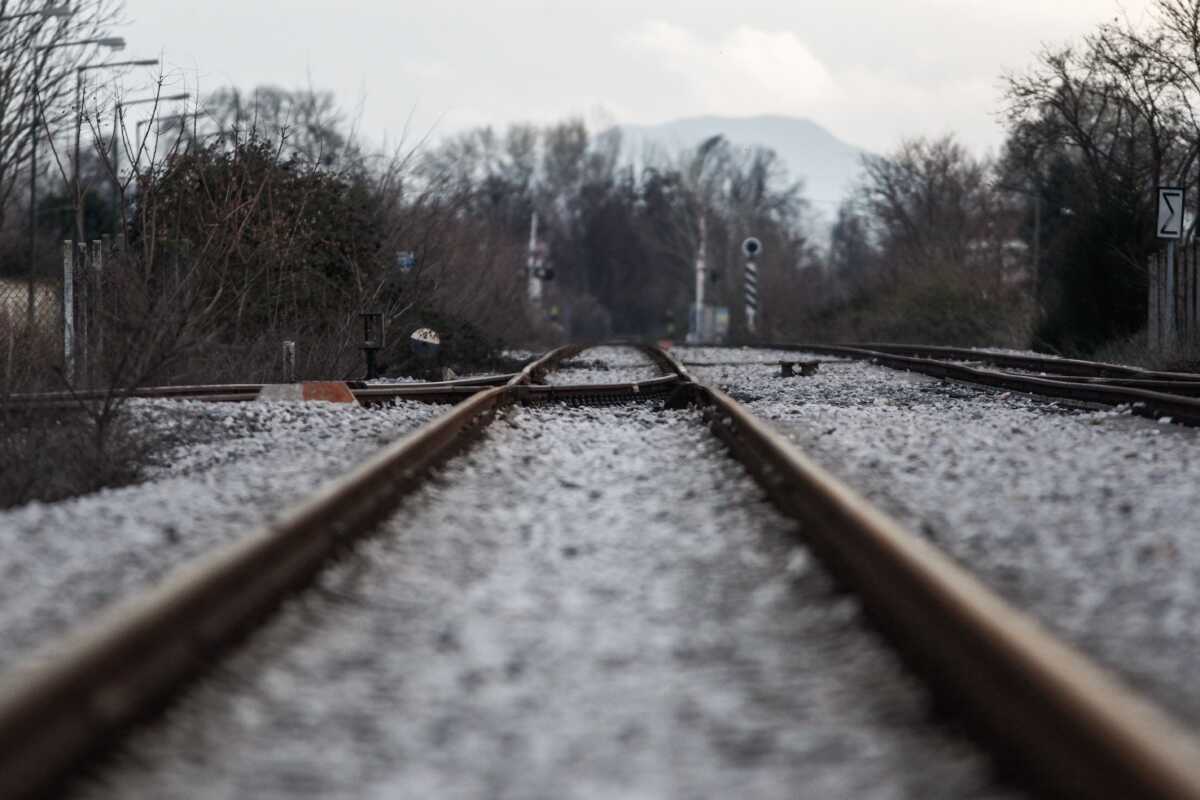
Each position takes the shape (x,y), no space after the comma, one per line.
(1182,407)
(1072,367)
(367,394)
(75,696)
(1074,729)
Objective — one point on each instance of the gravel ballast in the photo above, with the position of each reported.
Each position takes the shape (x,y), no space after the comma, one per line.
(231,468)
(1087,519)
(609,364)
(589,603)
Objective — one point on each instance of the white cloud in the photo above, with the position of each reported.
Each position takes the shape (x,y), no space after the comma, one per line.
(748,71)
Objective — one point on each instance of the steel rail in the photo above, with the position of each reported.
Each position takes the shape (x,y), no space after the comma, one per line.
(597,393)
(1078,730)
(1072,367)
(537,369)
(1073,729)
(1143,402)
(112,672)
(373,394)
(1182,388)
(243,390)
(74,696)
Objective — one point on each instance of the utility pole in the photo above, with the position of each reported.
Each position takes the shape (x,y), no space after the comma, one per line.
(112,42)
(532,266)
(1037,243)
(33,236)
(76,188)
(696,335)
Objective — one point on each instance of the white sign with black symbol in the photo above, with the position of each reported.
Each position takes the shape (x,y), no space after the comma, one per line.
(1170,212)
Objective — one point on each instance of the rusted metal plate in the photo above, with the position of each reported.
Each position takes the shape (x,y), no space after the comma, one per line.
(321,391)
(329,392)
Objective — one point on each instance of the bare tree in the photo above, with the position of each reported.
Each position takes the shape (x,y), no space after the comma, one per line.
(37,72)
(309,123)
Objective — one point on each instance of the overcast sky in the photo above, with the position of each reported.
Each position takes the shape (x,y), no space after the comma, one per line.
(871,71)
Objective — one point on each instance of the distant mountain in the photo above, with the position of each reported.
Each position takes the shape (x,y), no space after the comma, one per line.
(826,164)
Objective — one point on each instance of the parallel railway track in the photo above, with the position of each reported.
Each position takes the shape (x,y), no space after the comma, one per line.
(1074,729)
(1154,395)
(366,394)
(1066,367)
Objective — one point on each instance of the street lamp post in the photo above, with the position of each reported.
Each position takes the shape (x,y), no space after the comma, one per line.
(118,131)
(144,62)
(138,127)
(169,118)
(112,42)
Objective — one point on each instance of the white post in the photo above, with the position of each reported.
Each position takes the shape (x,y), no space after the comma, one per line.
(69,309)
(751,296)
(98,297)
(1170,305)
(531,265)
(289,361)
(1152,306)
(698,331)
(752,250)
(1189,295)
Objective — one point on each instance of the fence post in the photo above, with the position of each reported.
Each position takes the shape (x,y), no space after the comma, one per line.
(68,305)
(1152,311)
(289,361)
(97,295)
(1193,277)
(1170,318)
(82,301)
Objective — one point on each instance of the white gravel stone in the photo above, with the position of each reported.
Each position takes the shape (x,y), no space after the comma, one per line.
(590,603)
(605,365)
(234,467)
(1087,519)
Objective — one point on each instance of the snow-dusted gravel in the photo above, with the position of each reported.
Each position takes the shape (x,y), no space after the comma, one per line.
(700,356)
(605,365)
(233,467)
(590,603)
(1089,520)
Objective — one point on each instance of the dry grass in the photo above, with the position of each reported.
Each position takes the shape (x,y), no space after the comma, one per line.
(1135,351)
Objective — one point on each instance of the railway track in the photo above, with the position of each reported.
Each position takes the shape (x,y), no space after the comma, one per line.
(1063,367)
(365,394)
(1155,395)
(1074,730)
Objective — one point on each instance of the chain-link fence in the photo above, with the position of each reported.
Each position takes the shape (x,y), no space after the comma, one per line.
(24,304)
(30,333)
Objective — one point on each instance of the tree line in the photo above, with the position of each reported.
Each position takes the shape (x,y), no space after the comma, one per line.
(290,226)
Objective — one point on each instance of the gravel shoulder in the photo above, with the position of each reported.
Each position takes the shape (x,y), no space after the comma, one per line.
(592,602)
(1086,519)
(232,467)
